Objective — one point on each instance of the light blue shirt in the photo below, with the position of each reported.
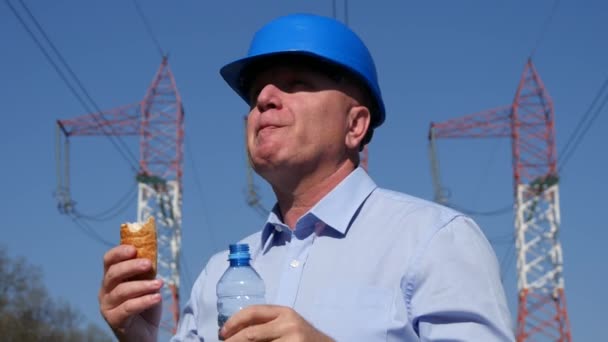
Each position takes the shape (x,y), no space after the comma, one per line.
(370,264)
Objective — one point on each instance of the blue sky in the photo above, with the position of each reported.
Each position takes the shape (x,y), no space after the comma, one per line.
(436,60)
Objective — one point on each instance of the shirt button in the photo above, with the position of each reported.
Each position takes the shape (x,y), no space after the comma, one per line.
(294,263)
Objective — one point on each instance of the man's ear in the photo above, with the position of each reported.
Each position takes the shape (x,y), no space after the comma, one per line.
(359,119)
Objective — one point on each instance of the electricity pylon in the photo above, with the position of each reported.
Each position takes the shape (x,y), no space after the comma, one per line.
(158,120)
(529,122)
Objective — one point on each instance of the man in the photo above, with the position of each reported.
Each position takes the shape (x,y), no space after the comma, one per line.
(342,259)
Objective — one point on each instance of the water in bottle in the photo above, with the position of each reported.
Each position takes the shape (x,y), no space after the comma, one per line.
(240,286)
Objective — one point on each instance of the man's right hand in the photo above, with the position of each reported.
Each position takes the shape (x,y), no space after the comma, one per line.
(132,308)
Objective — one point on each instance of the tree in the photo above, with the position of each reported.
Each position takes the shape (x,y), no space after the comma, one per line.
(27,313)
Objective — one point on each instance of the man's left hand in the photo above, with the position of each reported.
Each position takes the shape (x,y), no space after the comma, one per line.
(270,323)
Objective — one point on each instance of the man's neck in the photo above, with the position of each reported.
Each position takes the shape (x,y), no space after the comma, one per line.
(295,202)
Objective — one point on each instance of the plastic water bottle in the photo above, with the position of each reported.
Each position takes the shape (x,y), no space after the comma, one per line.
(239,286)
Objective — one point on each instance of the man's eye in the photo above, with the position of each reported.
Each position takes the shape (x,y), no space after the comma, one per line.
(298,84)
(253,95)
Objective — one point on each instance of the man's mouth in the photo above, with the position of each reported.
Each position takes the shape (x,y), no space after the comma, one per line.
(267,128)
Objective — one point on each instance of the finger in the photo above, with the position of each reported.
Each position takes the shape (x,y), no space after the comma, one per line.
(123,271)
(118,254)
(132,289)
(117,316)
(251,315)
(269,331)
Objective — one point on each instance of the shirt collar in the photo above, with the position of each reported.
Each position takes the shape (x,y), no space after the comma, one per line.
(336,209)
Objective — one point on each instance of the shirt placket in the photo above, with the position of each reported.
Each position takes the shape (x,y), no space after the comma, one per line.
(295,260)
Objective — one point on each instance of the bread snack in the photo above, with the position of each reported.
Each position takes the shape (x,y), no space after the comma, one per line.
(143,237)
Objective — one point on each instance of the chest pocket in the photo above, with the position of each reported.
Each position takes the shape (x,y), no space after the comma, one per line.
(353,313)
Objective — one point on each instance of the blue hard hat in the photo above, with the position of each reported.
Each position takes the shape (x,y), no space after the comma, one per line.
(322,38)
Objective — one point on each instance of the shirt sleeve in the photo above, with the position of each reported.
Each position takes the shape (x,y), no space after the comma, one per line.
(457,292)
(187,326)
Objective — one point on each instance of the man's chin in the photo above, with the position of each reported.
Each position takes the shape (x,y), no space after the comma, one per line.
(273,170)
(265,157)
(263,165)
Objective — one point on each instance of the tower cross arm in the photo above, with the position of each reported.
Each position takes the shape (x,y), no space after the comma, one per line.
(120,121)
(488,123)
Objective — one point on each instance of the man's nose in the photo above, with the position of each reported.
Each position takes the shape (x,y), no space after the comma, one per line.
(269,98)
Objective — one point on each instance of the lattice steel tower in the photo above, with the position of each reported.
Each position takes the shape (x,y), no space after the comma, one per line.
(158,120)
(529,121)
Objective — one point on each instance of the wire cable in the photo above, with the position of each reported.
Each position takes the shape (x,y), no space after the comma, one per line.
(90,232)
(483,177)
(333,9)
(544,28)
(501,239)
(508,208)
(346,12)
(506,260)
(118,208)
(583,126)
(187,275)
(128,155)
(496,212)
(201,193)
(148,28)
(80,85)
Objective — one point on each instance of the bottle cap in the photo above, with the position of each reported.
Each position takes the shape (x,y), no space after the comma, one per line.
(239,251)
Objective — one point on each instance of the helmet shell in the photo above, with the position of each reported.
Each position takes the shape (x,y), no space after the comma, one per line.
(319,37)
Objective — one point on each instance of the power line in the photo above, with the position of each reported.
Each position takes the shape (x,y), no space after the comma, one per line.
(495,212)
(583,125)
(84,91)
(90,232)
(506,260)
(346,12)
(501,239)
(148,28)
(333,9)
(483,180)
(128,155)
(49,59)
(508,208)
(544,28)
(116,209)
(200,191)
(186,273)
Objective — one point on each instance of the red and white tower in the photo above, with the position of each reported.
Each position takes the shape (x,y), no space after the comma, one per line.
(529,121)
(159,122)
